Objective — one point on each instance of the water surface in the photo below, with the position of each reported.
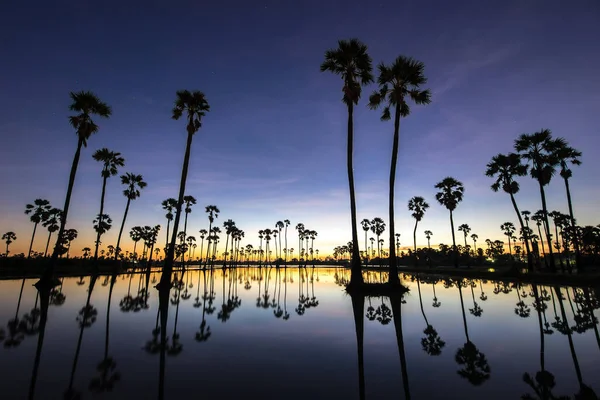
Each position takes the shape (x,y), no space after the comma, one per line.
(291,333)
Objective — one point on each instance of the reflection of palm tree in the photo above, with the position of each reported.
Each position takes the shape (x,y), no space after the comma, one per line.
(87,316)
(204,333)
(44,295)
(107,367)
(522,309)
(15,336)
(432,343)
(476,311)
(476,368)
(358,307)
(396,302)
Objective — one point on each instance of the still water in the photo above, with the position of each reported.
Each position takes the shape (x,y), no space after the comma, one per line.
(291,333)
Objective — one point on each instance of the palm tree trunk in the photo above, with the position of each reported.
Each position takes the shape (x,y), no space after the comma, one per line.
(462,306)
(552,266)
(117,249)
(421,302)
(560,259)
(286,245)
(393,275)
(44,303)
(358,308)
(580,266)
(569,335)
(100,219)
(396,303)
(168,264)
(453,241)
(529,256)
(226,245)
(415,235)
(167,237)
(32,237)
(356,271)
(47,243)
(49,272)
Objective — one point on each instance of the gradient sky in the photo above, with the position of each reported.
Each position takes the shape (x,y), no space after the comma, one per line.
(273,145)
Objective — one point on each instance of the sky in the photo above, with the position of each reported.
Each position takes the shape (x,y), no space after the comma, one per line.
(273,146)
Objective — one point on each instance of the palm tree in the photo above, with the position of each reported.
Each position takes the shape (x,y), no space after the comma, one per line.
(279,225)
(51,221)
(110,160)
(398,82)
(229,226)
(287,223)
(465,229)
(378,227)
(567,155)
(136,234)
(505,168)
(169,205)
(418,206)
(474,237)
(537,150)
(189,201)
(133,185)
(450,194)
(203,233)
(70,235)
(538,218)
(195,106)
(9,237)
(86,104)
(428,235)
(351,61)
(509,229)
(38,211)
(300,228)
(102,224)
(213,212)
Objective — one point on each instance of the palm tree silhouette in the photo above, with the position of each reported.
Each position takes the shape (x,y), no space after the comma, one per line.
(428,235)
(107,367)
(38,210)
(203,233)
(509,229)
(136,234)
(134,183)
(44,296)
(505,168)
(432,343)
(195,106)
(450,194)
(229,227)
(538,218)
(85,104)
(188,201)
(204,333)
(213,212)
(351,61)
(418,206)
(70,235)
(9,237)
(279,225)
(476,368)
(51,221)
(378,227)
(169,205)
(86,318)
(287,223)
(300,228)
(358,311)
(398,82)
(465,229)
(396,303)
(110,160)
(567,155)
(536,149)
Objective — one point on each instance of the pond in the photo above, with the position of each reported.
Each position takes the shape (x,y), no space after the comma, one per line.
(293,333)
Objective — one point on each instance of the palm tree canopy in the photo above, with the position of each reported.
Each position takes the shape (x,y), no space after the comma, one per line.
(86,104)
(196,106)
(538,150)
(566,155)
(169,206)
(398,82)
(351,61)
(134,184)
(450,194)
(505,168)
(418,206)
(111,160)
(189,202)
(38,210)
(465,228)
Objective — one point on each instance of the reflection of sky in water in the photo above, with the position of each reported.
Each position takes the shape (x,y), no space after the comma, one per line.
(311,356)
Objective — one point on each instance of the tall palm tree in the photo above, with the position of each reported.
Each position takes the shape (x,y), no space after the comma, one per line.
(287,223)
(134,183)
(450,194)
(188,201)
(9,237)
(537,150)
(203,233)
(399,82)
(300,228)
(418,206)
(428,235)
(85,104)
(538,218)
(70,235)
(279,225)
(229,226)
(111,161)
(195,106)
(366,225)
(505,168)
(567,155)
(465,229)
(51,221)
(38,211)
(351,61)
(169,205)
(378,227)
(474,237)
(509,229)
(213,212)
(136,235)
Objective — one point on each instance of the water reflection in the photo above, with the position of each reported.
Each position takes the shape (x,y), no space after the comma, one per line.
(522,340)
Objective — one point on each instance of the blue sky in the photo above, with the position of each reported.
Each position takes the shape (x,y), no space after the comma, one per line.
(273,145)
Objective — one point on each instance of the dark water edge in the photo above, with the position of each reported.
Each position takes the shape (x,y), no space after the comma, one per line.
(292,333)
